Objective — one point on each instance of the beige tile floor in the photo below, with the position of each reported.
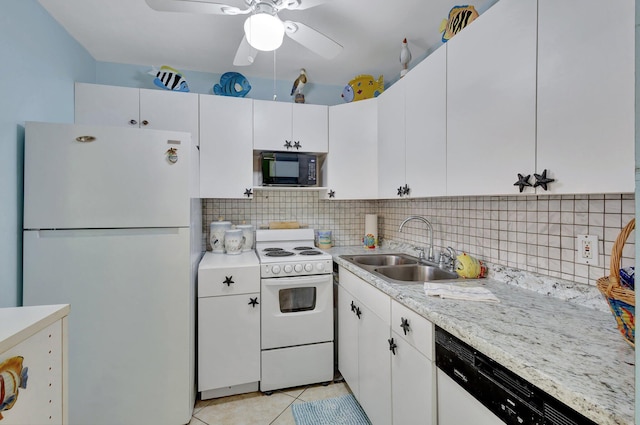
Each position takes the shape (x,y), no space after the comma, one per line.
(260,409)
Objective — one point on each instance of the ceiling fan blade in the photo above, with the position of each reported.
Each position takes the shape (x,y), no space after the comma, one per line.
(245,55)
(312,39)
(302,4)
(195,6)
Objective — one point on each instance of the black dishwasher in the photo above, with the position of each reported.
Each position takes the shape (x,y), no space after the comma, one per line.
(511,398)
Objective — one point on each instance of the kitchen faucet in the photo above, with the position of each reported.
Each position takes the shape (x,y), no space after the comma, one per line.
(430,256)
(448,259)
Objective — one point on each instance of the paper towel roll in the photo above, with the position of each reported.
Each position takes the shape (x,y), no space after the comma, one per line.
(370,231)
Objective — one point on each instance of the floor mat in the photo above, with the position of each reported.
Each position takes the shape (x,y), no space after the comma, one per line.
(343,410)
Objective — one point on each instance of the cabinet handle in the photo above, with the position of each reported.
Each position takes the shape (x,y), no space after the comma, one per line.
(287,144)
(297,145)
(406,189)
(358,312)
(145,122)
(405,325)
(523,181)
(228,280)
(133,122)
(542,180)
(248,192)
(400,191)
(253,302)
(392,346)
(353,307)
(332,193)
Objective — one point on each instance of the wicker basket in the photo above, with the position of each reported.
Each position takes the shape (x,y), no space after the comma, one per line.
(621,300)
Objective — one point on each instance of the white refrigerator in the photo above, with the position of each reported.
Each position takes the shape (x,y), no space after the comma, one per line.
(110,228)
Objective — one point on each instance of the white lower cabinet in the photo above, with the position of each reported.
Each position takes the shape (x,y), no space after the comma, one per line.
(228,324)
(392,375)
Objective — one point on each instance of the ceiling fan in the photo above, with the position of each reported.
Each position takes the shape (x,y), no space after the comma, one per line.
(263,29)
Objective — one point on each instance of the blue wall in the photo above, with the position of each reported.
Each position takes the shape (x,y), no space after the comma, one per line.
(40,64)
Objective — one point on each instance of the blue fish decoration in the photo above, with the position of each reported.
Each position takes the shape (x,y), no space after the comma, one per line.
(169,79)
(232,84)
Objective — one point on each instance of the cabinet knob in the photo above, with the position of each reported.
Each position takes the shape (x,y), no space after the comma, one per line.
(133,122)
(523,181)
(353,307)
(145,122)
(253,302)
(392,346)
(332,194)
(287,144)
(248,192)
(400,191)
(228,280)
(405,325)
(297,145)
(358,312)
(542,180)
(406,189)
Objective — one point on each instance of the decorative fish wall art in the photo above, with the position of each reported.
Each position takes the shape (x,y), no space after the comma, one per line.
(363,87)
(169,79)
(232,84)
(459,18)
(12,377)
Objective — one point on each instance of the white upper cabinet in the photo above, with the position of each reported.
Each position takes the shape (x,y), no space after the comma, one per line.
(391,141)
(426,126)
(352,162)
(130,107)
(226,149)
(586,95)
(280,126)
(491,101)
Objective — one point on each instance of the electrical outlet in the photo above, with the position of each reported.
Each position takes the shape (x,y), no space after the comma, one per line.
(587,249)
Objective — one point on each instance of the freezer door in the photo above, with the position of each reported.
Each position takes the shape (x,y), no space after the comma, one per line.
(131,325)
(78,176)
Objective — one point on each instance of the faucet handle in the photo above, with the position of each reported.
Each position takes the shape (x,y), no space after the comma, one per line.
(420,252)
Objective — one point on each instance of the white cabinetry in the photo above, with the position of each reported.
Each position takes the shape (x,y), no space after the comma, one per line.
(228,324)
(365,367)
(585,96)
(280,126)
(491,101)
(412,368)
(412,132)
(226,148)
(352,162)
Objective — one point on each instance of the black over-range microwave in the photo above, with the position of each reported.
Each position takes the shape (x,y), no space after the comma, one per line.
(289,169)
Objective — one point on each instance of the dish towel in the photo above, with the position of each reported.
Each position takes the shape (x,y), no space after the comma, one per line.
(459,292)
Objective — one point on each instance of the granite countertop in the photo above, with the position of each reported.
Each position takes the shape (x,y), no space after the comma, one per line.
(573,352)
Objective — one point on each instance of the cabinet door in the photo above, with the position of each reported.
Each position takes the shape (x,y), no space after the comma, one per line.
(585,96)
(426,126)
(228,341)
(271,125)
(352,163)
(391,141)
(491,95)
(165,110)
(310,127)
(413,385)
(374,367)
(226,154)
(348,340)
(107,105)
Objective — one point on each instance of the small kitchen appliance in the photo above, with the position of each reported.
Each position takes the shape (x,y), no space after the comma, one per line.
(296,285)
(289,169)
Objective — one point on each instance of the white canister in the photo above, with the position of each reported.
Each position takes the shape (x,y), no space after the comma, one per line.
(216,235)
(248,230)
(233,241)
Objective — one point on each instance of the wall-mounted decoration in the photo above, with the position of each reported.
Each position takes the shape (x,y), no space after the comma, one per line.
(169,79)
(298,85)
(12,377)
(405,57)
(459,18)
(363,87)
(232,84)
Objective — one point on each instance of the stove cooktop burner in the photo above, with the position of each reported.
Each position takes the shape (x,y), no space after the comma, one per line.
(303,248)
(310,252)
(272,249)
(278,253)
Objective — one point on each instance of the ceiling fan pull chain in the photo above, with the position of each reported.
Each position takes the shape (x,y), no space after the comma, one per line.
(274,76)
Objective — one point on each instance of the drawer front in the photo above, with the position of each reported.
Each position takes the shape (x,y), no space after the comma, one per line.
(417,330)
(367,294)
(228,281)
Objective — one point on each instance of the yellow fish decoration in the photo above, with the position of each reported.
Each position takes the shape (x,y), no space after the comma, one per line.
(459,18)
(363,87)
(12,377)
(470,267)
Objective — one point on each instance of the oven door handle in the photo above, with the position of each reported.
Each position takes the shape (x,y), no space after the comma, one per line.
(325,279)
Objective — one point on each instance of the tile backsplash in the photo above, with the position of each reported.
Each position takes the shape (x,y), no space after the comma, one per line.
(533,233)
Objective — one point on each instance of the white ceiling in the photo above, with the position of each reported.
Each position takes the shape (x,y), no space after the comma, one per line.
(371,32)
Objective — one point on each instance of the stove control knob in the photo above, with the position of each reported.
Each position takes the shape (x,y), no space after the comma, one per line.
(298,268)
(308,267)
(275,269)
(288,268)
(320,267)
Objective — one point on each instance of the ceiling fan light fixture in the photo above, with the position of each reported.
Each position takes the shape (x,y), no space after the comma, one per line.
(264,31)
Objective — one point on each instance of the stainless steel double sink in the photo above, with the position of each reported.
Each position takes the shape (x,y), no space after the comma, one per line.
(400,268)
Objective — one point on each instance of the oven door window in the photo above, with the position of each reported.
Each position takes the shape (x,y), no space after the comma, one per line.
(293,300)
